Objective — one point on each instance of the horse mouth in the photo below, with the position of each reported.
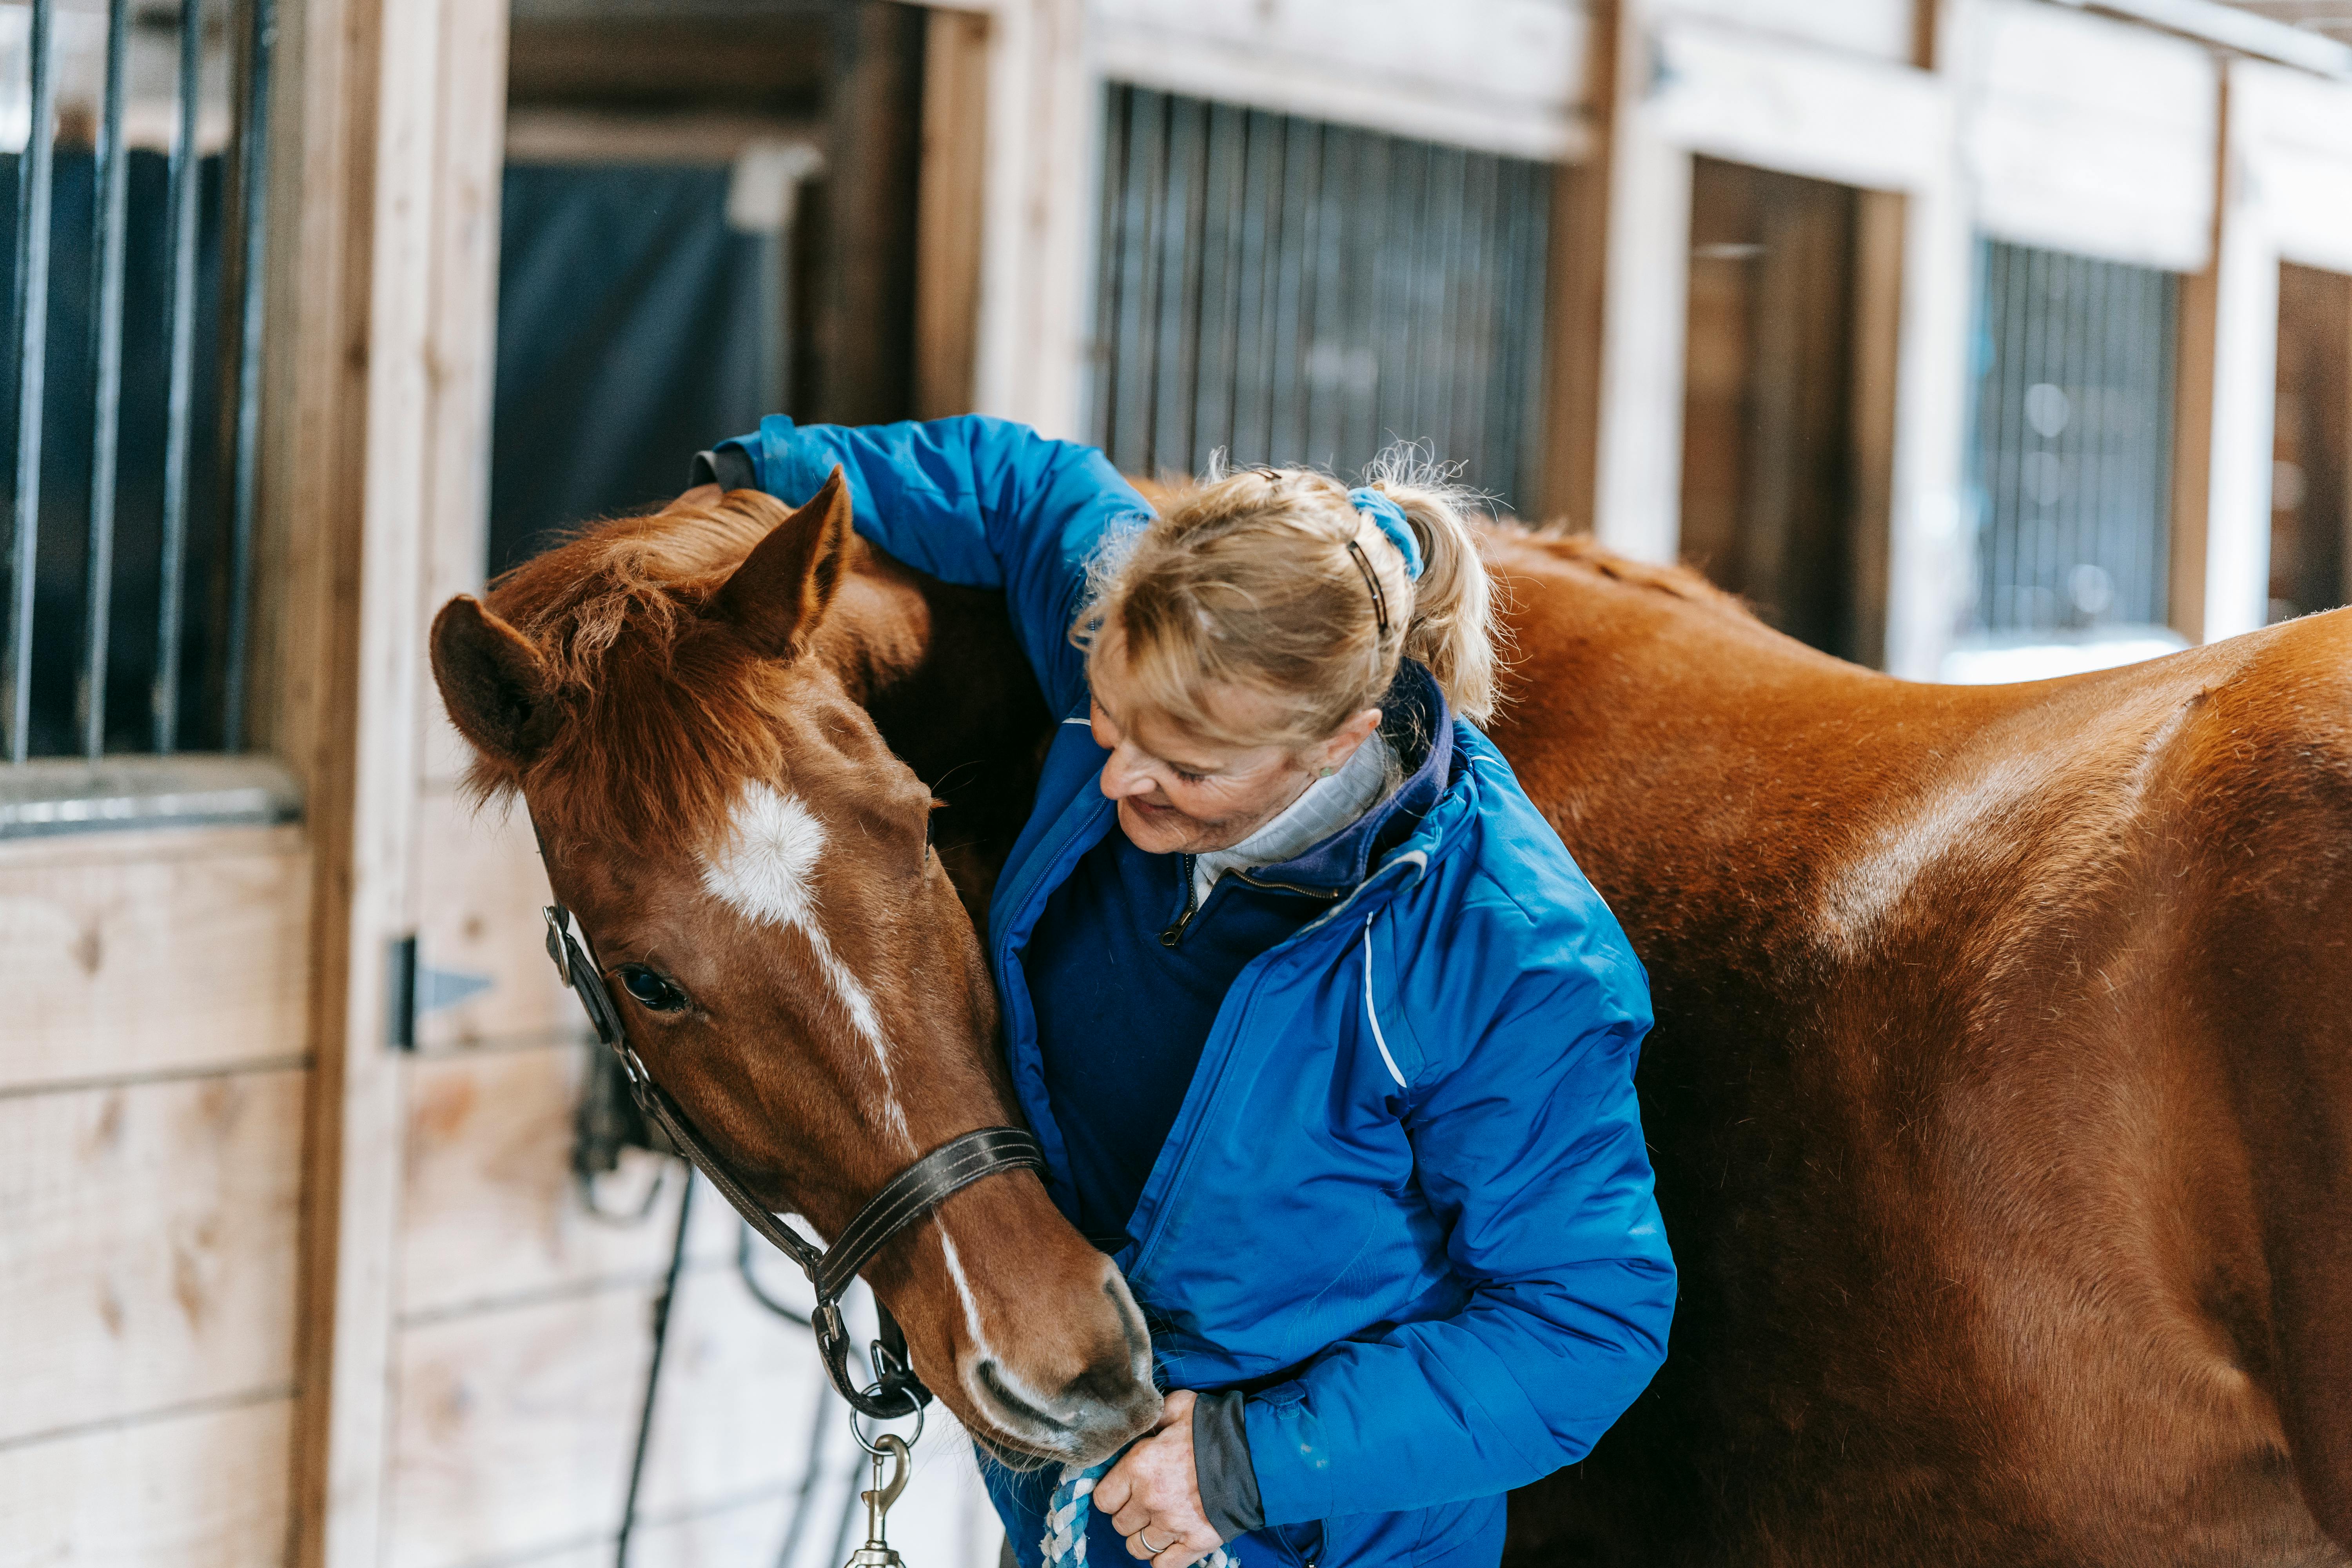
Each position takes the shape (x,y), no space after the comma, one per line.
(1018,1459)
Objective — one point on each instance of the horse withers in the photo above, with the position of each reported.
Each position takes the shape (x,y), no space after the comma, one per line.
(693,708)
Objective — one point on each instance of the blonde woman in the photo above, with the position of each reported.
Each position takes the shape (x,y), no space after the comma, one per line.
(1327,1038)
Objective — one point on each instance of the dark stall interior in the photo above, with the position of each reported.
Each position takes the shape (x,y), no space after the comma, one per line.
(1770,487)
(2311,478)
(709,217)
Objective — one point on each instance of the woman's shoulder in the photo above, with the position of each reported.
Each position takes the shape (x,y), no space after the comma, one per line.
(1507,888)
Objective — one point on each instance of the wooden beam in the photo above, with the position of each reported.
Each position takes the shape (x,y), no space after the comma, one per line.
(490,1214)
(866,340)
(1637,471)
(1498,76)
(1576,310)
(1871,419)
(376,396)
(950,212)
(1930,559)
(2244,387)
(150,1255)
(202,1489)
(1035,266)
(2089,135)
(131,955)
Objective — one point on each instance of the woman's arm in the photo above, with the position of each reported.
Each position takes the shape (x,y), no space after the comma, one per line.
(1530,1149)
(982,502)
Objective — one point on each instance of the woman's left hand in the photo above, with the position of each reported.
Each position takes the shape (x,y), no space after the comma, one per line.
(1153,1494)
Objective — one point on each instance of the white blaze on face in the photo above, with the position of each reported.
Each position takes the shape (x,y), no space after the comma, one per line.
(764,868)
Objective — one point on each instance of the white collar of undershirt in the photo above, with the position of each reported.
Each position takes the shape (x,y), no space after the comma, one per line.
(1326,807)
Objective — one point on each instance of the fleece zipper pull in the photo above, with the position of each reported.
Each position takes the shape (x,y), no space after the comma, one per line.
(1175,933)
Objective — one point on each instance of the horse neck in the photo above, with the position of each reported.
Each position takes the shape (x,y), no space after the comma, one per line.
(937,669)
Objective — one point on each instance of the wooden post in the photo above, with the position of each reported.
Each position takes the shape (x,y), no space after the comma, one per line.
(1645,261)
(1879,221)
(866,330)
(2240,310)
(384,251)
(1039,200)
(949,208)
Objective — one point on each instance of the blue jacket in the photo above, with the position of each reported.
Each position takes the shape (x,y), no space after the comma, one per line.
(1406,1204)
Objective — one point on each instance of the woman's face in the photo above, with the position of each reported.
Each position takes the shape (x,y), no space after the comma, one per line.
(1181,793)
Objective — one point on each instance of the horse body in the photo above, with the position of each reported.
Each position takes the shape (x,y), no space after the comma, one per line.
(2001,1095)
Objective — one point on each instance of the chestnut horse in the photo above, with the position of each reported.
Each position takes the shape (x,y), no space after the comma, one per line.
(2001,1096)
(721,718)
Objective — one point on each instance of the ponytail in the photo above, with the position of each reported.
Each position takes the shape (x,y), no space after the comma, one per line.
(1453,629)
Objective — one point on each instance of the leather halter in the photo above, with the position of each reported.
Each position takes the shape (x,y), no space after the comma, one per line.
(903,1201)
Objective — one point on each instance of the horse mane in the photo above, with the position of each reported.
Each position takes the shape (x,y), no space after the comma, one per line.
(1581,549)
(664,711)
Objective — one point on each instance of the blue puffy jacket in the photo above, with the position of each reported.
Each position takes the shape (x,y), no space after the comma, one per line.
(1406,1204)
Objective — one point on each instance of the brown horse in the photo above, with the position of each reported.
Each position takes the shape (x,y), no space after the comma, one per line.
(2001,1096)
(722,718)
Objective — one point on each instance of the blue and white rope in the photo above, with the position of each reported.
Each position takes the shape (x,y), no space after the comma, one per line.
(1065,1544)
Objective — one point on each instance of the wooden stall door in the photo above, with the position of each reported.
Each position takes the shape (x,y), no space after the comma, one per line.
(2311,480)
(1774,484)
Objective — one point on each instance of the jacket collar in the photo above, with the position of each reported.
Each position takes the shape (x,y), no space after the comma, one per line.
(1419,726)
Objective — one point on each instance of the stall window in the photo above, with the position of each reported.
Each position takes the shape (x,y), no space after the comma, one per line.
(1291,291)
(2073,442)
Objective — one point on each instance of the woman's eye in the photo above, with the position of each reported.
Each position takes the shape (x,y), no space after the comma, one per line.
(1190,778)
(649,990)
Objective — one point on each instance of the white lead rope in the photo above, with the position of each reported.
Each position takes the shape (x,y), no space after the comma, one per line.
(1064,1543)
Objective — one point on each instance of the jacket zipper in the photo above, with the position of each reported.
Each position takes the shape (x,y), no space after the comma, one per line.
(1254,974)
(1175,933)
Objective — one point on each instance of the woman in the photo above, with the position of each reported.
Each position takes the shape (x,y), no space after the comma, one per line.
(1326,1037)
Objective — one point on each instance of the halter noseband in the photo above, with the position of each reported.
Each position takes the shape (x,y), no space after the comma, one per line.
(904,1199)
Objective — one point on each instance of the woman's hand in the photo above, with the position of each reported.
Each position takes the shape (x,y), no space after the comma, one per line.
(1153,1495)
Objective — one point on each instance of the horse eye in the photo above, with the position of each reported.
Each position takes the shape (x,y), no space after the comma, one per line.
(649,990)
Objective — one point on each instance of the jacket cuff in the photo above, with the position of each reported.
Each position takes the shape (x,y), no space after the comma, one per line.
(1222,1465)
(727,465)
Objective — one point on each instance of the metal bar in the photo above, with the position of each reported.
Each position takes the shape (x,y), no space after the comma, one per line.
(29,331)
(1110,253)
(111,208)
(253,195)
(171,607)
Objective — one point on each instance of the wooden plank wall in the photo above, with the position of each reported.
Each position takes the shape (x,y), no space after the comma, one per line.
(152,1076)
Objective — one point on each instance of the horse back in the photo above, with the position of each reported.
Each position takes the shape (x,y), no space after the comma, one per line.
(1968,1088)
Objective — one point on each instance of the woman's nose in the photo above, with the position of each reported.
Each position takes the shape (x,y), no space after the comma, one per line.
(1121,777)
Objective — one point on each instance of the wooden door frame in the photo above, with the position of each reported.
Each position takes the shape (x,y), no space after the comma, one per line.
(383,235)
(2285,178)
(1667,90)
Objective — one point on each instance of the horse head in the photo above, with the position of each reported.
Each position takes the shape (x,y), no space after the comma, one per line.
(680,700)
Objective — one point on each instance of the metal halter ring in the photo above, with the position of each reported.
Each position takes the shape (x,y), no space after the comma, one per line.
(876,1446)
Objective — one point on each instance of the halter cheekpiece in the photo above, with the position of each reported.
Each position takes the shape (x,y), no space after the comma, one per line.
(902,1201)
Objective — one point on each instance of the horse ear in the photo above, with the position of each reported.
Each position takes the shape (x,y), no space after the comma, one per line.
(498,691)
(779,593)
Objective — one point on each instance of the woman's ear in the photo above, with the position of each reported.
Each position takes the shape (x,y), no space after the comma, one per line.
(1333,753)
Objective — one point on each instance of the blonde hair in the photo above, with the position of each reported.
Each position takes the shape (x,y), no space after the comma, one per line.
(1248,580)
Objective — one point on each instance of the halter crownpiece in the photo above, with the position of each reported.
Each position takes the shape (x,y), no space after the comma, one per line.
(1390,519)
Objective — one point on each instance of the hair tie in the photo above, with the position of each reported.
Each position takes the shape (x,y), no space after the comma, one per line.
(1388,518)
